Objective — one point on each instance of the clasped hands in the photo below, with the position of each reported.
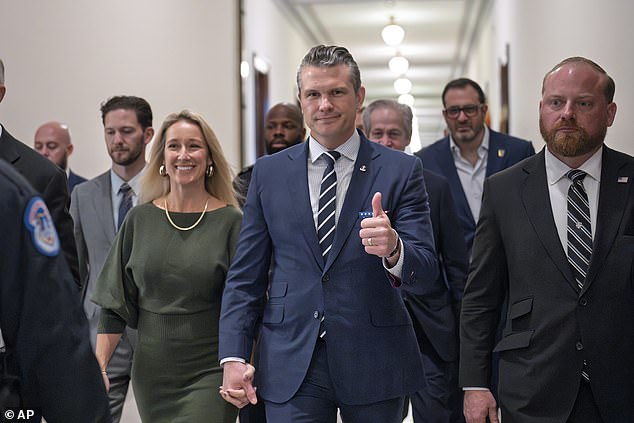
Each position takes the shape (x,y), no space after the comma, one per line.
(377,235)
(237,384)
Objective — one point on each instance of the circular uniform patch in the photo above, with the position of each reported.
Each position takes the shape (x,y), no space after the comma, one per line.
(38,221)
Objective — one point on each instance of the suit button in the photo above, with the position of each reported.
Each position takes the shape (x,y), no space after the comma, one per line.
(325,278)
(316,314)
(583,302)
(579,346)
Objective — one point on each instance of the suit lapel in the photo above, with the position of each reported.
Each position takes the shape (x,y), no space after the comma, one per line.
(613,197)
(445,161)
(357,195)
(300,199)
(102,204)
(498,156)
(536,201)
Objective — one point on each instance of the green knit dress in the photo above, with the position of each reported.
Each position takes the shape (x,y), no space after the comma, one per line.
(168,284)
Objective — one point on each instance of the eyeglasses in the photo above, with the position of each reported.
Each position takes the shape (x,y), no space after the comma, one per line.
(470,110)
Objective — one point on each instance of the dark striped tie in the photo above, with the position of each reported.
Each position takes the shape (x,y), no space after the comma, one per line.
(126,202)
(579,230)
(579,234)
(327,204)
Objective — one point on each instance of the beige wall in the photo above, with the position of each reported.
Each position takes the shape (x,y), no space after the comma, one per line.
(64,57)
(543,32)
(268,34)
(540,33)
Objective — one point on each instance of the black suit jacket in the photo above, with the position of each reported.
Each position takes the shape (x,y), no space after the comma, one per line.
(434,314)
(50,182)
(42,322)
(551,327)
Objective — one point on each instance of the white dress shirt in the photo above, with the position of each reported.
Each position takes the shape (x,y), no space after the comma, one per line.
(472,177)
(558,185)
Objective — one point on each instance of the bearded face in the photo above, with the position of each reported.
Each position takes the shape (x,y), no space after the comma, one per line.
(570,140)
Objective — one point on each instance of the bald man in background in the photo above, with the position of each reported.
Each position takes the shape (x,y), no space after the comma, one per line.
(52,140)
(283,128)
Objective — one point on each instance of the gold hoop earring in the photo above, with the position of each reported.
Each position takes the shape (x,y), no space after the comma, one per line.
(162,170)
(210,171)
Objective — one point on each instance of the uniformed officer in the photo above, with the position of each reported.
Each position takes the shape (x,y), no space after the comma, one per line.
(42,323)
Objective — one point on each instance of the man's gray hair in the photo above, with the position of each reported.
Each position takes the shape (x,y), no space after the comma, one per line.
(404,110)
(322,56)
(1,72)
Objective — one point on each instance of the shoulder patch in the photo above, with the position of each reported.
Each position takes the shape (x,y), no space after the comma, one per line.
(38,221)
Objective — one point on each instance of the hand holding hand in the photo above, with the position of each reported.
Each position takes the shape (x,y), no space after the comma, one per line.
(237,384)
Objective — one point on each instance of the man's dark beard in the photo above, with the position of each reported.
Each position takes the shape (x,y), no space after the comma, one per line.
(571,145)
(272,150)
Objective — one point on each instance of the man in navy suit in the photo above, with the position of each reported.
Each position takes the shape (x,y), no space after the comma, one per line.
(335,333)
(471,152)
(434,314)
(52,140)
(556,237)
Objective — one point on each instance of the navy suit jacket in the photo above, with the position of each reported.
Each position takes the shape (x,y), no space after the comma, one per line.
(504,151)
(372,350)
(436,313)
(74,179)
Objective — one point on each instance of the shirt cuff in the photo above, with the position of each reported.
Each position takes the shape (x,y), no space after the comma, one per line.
(397,269)
(474,388)
(227,359)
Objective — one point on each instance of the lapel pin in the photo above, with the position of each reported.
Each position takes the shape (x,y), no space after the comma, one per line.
(501,152)
(622,179)
(362,168)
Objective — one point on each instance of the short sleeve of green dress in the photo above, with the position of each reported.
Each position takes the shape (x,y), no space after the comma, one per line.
(168,284)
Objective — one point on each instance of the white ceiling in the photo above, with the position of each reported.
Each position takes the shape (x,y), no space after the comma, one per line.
(438,35)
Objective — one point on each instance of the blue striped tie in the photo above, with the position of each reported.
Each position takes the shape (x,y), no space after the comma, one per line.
(327,204)
(126,202)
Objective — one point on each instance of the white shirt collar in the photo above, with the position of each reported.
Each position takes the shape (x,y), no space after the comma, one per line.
(556,169)
(349,149)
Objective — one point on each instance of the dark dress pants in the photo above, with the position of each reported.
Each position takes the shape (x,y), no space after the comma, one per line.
(316,401)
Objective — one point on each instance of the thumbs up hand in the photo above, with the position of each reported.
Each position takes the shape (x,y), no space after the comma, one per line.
(377,235)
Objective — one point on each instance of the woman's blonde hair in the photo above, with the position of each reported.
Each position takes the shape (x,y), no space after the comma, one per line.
(153,185)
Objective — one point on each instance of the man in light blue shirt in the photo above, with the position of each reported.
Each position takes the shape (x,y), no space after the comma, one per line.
(98,207)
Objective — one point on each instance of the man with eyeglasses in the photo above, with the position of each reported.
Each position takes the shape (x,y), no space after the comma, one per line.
(471,152)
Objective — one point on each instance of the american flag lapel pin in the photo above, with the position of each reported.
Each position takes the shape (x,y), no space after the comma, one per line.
(622,179)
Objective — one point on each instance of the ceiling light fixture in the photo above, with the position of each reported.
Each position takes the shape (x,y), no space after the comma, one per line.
(402,86)
(406,99)
(398,65)
(393,33)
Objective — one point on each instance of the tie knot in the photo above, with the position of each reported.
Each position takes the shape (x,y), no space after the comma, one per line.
(576,175)
(331,156)
(125,189)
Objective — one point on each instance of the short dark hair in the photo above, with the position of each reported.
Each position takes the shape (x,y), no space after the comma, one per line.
(322,56)
(610,86)
(129,102)
(1,72)
(462,83)
(403,109)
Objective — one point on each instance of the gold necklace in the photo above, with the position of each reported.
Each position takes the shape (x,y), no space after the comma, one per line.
(189,227)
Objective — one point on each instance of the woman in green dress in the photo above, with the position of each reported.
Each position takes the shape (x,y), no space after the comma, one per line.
(165,275)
